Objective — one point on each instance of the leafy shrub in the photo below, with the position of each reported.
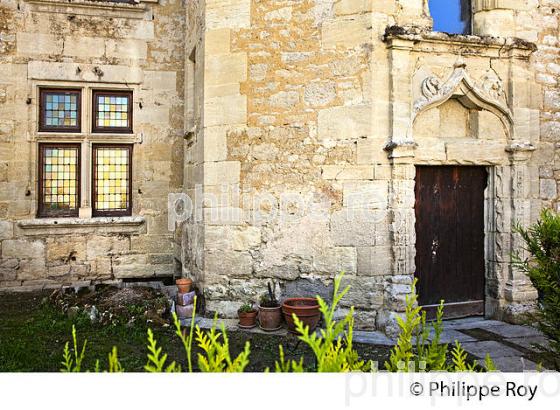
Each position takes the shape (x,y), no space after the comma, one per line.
(333,347)
(414,351)
(216,347)
(543,268)
(156,360)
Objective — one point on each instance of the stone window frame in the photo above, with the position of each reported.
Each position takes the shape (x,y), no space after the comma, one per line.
(86,137)
(96,212)
(135,9)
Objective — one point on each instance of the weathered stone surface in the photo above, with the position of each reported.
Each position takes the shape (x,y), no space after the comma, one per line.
(19,248)
(314,105)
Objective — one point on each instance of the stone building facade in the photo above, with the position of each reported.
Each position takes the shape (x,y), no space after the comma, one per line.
(288,134)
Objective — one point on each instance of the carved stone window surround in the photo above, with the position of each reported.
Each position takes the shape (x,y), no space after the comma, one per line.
(62,226)
(91,8)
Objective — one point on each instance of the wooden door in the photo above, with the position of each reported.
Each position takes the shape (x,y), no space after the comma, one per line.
(450,239)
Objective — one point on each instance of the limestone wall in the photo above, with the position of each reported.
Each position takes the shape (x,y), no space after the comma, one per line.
(97,45)
(310,149)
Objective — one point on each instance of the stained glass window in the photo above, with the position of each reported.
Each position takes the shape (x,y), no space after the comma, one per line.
(111,179)
(60,110)
(112,111)
(59,179)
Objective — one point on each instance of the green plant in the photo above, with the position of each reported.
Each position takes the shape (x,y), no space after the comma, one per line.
(542,241)
(333,347)
(286,366)
(217,358)
(73,364)
(156,360)
(269,299)
(415,350)
(247,307)
(186,340)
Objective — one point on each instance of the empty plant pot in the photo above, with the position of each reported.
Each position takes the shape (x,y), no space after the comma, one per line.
(270,318)
(247,319)
(306,309)
(184,312)
(185,299)
(184,285)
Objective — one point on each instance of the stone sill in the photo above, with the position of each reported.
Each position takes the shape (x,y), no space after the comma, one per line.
(90,7)
(420,35)
(54,226)
(43,136)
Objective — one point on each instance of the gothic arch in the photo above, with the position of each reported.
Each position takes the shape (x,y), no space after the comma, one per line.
(488,95)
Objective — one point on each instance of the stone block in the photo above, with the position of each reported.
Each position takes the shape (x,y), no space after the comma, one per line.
(228,14)
(365,293)
(215,144)
(371,151)
(127,48)
(348,172)
(306,287)
(366,195)
(245,238)
(228,264)
(344,7)
(346,32)
(38,43)
(225,69)
(319,94)
(84,46)
(30,269)
(106,245)
(357,227)
(374,260)
(226,110)
(334,260)
(225,172)
(23,249)
(217,41)
(345,123)
(548,189)
(6,230)
(66,250)
(8,269)
(132,266)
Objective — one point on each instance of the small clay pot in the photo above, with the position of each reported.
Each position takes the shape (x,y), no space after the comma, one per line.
(185,299)
(184,312)
(270,318)
(247,319)
(184,284)
(306,309)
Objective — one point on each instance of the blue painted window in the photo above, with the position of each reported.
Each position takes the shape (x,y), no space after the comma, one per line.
(451,16)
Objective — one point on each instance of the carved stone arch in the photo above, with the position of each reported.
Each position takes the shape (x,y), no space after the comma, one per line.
(488,96)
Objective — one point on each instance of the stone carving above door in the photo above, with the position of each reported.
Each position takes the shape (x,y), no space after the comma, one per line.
(486,94)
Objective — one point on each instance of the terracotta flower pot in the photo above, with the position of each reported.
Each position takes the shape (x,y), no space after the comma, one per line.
(270,318)
(306,309)
(247,319)
(184,284)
